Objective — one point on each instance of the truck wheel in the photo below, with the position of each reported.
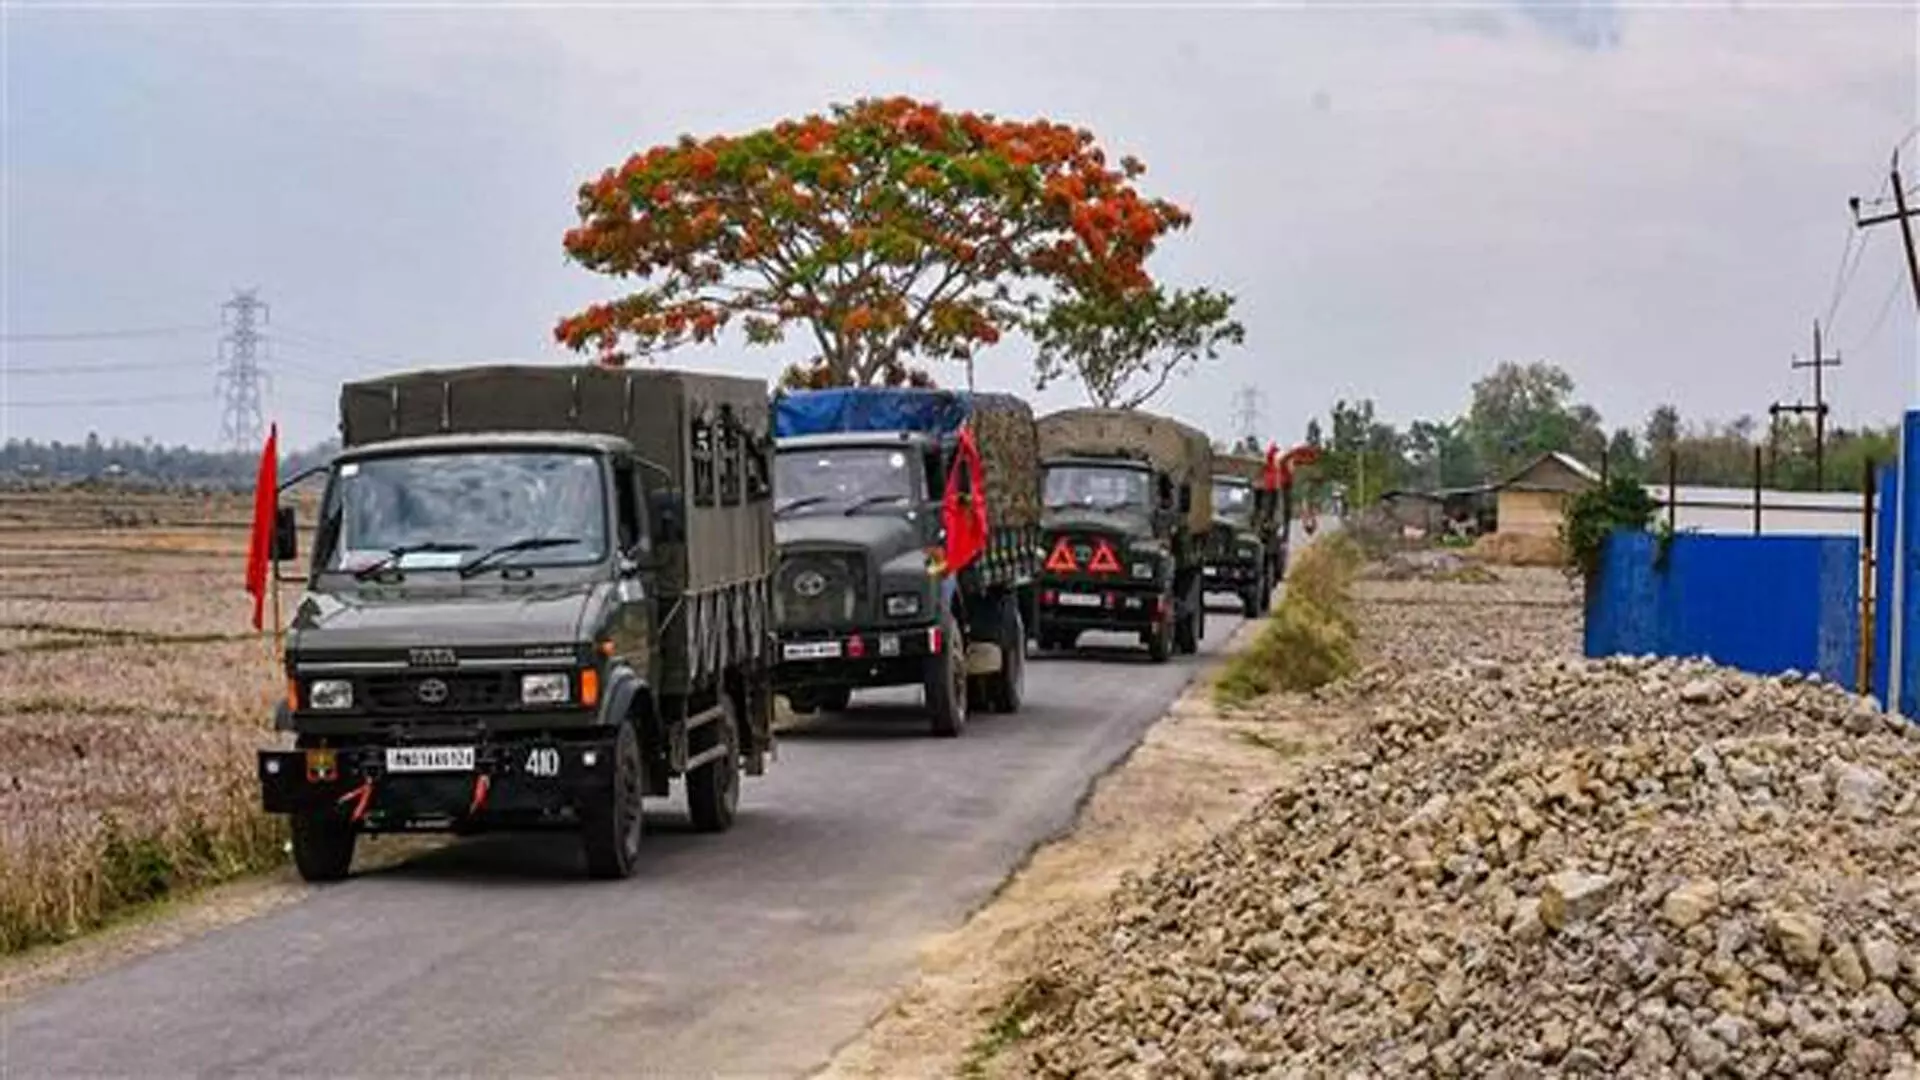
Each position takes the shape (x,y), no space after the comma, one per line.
(1159,643)
(946,682)
(610,831)
(713,789)
(322,847)
(1007,687)
(1186,631)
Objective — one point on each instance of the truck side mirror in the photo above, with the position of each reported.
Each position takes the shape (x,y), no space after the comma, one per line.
(286,535)
(669,517)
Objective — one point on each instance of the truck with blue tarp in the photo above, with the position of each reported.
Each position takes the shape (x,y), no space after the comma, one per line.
(907,525)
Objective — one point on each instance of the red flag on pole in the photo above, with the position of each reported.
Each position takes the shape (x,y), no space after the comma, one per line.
(260,545)
(1270,476)
(966,524)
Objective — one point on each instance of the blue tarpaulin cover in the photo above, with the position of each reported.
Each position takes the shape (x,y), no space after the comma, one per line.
(824,412)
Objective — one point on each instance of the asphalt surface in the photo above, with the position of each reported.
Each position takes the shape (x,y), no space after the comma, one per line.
(752,953)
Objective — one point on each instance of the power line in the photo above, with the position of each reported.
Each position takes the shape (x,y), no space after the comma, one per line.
(108,367)
(105,403)
(107,335)
(1880,320)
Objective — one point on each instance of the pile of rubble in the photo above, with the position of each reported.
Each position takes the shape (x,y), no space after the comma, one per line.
(1624,867)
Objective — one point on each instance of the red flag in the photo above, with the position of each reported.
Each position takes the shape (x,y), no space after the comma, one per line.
(260,545)
(966,524)
(1270,476)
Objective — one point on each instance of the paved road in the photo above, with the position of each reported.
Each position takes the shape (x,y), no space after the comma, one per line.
(753,953)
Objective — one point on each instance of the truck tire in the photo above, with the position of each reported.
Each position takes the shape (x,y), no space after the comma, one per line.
(1159,641)
(825,699)
(713,789)
(946,682)
(1187,628)
(322,847)
(610,831)
(1007,688)
(1058,640)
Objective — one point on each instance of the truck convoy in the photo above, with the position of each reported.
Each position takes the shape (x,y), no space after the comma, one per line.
(1246,549)
(1126,505)
(536,595)
(907,522)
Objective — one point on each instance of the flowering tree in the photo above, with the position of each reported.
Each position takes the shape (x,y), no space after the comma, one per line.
(890,232)
(1125,346)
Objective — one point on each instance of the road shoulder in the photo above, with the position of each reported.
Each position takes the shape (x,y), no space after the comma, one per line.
(1197,770)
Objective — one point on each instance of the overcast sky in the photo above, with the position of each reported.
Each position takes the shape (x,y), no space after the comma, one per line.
(1655,198)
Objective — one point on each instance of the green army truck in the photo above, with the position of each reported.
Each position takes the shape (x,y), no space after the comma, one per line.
(1246,547)
(1127,500)
(536,595)
(865,480)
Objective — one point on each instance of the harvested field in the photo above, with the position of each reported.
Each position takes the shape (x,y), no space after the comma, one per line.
(133,694)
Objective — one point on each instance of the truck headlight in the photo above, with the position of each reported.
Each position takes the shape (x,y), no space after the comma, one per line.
(330,694)
(548,688)
(1143,570)
(901,605)
(1248,551)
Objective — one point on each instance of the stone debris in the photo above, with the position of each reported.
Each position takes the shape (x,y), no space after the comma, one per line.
(1524,865)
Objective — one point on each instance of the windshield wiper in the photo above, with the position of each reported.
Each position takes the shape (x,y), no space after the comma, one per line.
(526,543)
(795,504)
(401,551)
(863,503)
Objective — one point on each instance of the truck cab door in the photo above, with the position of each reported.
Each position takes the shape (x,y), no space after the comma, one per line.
(632,621)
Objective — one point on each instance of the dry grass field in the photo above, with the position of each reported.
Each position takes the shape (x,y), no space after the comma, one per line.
(133,693)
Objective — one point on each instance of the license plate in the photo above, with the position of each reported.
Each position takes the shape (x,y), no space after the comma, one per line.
(812,650)
(1075,599)
(430,759)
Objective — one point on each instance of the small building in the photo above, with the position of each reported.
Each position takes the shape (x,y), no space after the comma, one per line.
(1533,501)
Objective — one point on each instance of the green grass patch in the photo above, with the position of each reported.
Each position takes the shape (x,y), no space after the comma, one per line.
(1309,640)
(1034,995)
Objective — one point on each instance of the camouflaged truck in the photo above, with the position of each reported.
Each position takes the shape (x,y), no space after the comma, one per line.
(1127,500)
(1246,547)
(863,596)
(536,595)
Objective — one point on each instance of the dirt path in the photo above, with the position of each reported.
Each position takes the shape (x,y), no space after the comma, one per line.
(1195,772)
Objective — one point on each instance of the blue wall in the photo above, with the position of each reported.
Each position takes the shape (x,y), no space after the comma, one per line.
(1765,604)
(1907,565)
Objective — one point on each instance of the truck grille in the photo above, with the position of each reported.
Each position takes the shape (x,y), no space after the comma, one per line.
(454,690)
(819,589)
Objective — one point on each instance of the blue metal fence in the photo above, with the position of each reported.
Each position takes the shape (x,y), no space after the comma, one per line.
(1766,604)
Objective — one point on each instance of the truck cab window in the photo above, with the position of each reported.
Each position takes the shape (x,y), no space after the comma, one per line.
(627,506)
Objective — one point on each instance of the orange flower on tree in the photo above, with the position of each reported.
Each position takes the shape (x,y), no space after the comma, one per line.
(899,233)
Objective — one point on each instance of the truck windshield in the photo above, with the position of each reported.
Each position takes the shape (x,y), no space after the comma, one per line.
(841,478)
(1232,501)
(453,506)
(1098,487)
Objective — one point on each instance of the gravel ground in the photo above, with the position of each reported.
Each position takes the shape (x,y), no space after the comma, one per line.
(1523,863)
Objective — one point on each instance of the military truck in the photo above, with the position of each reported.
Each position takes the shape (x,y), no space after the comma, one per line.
(1127,499)
(536,595)
(866,485)
(1246,547)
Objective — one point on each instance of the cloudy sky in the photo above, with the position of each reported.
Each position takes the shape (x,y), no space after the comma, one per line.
(1654,196)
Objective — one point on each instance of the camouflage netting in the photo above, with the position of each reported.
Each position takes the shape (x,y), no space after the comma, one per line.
(1180,451)
(1010,449)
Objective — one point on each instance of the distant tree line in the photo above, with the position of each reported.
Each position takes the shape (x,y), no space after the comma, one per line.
(1520,411)
(143,464)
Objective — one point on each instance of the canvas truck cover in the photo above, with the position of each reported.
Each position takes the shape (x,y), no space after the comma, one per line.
(1002,426)
(1180,451)
(709,432)
(1252,470)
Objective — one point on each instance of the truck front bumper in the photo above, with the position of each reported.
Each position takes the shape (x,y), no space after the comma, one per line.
(894,656)
(1087,607)
(395,787)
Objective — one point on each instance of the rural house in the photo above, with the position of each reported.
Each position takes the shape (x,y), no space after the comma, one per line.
(1534,499)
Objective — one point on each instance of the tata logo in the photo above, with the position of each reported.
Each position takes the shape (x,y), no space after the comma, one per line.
(810,584)
(432,691)
(431,658)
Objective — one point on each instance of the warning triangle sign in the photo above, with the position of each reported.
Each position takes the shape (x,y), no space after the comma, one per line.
(1062,560)
(1103,561)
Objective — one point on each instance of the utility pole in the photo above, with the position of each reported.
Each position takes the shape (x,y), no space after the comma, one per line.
(1900,214)
(1774,412)
(238,382)
(1819,363)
